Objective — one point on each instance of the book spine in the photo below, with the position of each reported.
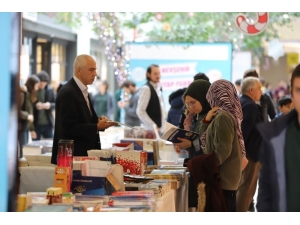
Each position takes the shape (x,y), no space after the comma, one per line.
(132,193)
(129,203)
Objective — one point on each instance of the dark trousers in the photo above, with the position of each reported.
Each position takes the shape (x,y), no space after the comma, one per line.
(230,200)
(43,130)
(23,140)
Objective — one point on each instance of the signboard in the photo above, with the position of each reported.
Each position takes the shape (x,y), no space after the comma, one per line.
(292,58)
(179,63)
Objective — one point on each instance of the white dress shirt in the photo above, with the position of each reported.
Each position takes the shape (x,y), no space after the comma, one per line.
(84,90)
(144,98)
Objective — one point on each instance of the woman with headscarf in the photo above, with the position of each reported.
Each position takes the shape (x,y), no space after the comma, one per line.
(197,106)
(221,133)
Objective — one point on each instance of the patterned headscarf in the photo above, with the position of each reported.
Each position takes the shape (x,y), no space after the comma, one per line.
(222,93)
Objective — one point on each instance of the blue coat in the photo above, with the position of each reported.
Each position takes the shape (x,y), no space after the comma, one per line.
(175,100)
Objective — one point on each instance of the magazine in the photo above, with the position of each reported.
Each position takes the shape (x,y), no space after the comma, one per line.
(172,133)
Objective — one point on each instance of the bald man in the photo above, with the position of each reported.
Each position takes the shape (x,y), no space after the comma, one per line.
(75,117)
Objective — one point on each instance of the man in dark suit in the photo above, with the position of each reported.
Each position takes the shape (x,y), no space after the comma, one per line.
(75,117)
(251,92)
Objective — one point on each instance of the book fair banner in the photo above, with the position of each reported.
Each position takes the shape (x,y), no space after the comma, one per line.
(179,63)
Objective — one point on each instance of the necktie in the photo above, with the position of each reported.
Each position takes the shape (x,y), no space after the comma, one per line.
(85,92)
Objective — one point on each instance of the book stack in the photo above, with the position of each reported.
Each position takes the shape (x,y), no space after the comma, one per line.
(89,203)
(163,185)
(176,177)
(133,201)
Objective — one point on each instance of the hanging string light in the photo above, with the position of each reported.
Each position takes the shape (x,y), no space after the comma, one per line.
(107,28)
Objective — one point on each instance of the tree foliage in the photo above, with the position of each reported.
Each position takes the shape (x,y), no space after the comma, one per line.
(194,27)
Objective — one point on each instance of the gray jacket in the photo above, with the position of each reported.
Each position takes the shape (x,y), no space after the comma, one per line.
(272,179)
(131,117)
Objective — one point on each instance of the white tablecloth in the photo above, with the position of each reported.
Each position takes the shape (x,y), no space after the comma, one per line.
(166,203)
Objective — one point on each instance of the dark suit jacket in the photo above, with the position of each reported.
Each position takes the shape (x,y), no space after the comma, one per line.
(73,121)
(251,117)
(49,97)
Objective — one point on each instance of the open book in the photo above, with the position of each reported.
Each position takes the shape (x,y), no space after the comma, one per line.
(172,133)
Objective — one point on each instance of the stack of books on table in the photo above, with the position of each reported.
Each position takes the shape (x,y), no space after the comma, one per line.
(175,176)
(131,201)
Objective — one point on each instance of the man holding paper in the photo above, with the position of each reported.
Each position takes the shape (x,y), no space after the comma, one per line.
(76,118)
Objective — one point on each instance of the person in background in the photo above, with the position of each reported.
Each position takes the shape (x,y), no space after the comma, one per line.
(117,99)
(33,85)
(176,103)
(75,117)
(279,184)
(251,93)
(103,101)
(150,108)
(26,114)
(43,108)
(267,109)
(265,102)
(237,85)
(285,105)
(281,90)
(131,117)
(269,90)
(185,112)
(263,84)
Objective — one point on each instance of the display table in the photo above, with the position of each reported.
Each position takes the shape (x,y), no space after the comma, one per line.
(181,197)
(166,203)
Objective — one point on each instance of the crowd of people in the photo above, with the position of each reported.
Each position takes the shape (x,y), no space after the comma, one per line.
(248,133)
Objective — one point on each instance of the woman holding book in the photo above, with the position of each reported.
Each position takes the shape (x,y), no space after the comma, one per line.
(221,133)
(197,106)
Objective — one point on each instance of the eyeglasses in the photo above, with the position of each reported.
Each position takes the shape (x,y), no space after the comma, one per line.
(191,104)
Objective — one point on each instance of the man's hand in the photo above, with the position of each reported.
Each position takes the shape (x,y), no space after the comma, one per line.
(104,124)
(184,144)
(121,104)
(47,105)
(102,118)
(39,106)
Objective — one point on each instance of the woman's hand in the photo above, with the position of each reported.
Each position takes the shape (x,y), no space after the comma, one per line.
(33,134)
(244,162)
(211,113)
(184,144)
(177,149)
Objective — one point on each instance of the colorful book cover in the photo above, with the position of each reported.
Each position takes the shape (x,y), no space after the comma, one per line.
(88,185)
